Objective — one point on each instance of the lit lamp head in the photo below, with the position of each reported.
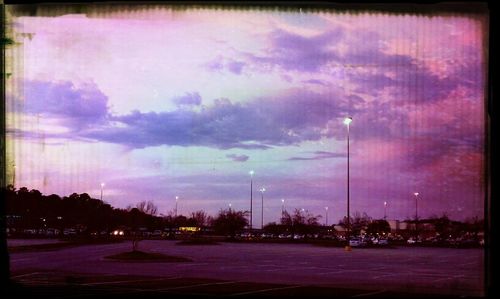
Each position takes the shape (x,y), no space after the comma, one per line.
(262,189)
(282,200)
(347,120)
(416,193)
(251,172)
(176,198)
(102,184)
(326,208)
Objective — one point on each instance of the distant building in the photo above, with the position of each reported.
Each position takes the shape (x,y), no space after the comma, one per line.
(397,225)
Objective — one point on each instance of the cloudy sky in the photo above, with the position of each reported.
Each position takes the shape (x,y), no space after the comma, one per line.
(163,103)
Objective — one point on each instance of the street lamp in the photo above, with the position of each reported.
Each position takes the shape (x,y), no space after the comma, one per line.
(102,186)
(251,196)
(282,207)
(262,190)
(14,177)
(385,210)
(326,212)
(416,212)
(176,200)
(347,122)
(230,207)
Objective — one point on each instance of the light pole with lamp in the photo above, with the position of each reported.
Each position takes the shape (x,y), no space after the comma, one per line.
(326,214)
(176,200)
(102,187)
(416,213)
(347,122)
(262,190)
(14,177)
(282,207)
(251,197)
(385,210)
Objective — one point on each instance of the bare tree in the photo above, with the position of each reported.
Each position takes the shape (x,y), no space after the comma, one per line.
(147,207)
(200,218)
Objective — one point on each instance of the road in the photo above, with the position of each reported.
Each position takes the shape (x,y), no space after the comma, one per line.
(437,271)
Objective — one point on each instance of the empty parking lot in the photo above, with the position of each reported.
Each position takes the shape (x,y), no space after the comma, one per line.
(439,271)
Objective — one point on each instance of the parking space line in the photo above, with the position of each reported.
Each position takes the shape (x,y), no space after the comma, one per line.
(129,281)
(369,294)
(27,274)
(189,286)
(264,290)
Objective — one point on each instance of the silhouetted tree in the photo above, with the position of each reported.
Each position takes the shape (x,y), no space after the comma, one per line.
(378,226)
(301,222)
(199,218)
(147,207)
(228,222)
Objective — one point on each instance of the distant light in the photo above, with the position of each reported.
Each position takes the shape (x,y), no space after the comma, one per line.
(347,120)
(416,193)
(251,172)
(102,184)
(262,189)
(326,208)
(282,200)
(177,197)
(385,203)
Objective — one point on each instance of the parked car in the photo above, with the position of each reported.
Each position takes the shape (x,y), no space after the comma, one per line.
(383,242)
(356,242)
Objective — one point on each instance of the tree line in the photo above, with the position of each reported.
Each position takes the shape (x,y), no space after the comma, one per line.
(30,209)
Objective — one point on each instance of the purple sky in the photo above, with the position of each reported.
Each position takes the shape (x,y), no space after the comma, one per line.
(163,103)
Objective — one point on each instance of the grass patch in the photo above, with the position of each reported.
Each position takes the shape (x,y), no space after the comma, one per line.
(141,256)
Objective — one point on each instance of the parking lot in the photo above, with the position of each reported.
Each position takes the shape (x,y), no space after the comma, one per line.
(418,270)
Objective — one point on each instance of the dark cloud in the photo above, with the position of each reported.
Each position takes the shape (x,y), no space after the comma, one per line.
(76,106)
(193,98)
(220,64)
(266,122)
(292,51)
(235,67)
(319,155)
(238,158)
(315,81)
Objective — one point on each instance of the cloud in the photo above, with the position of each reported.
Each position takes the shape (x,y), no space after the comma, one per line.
(188,99)
(319,155)
(238,158)
(220,64)
(291,51)
(315,81)
(287,119)
(77,107)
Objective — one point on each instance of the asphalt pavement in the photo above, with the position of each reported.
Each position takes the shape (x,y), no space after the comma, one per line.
(275,267)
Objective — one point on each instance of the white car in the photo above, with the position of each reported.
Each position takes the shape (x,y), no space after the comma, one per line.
(356,242)
(383,242)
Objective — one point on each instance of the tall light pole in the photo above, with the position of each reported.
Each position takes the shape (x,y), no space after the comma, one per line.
(251,196)
(14,177)
(102,187)
(326,214)
(282,207)
(416,213)
(176,200)
(385,210)
(347,122)
(262,190)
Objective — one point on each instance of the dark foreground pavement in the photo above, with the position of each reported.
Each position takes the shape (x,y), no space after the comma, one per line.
(81,286)
(250,270)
